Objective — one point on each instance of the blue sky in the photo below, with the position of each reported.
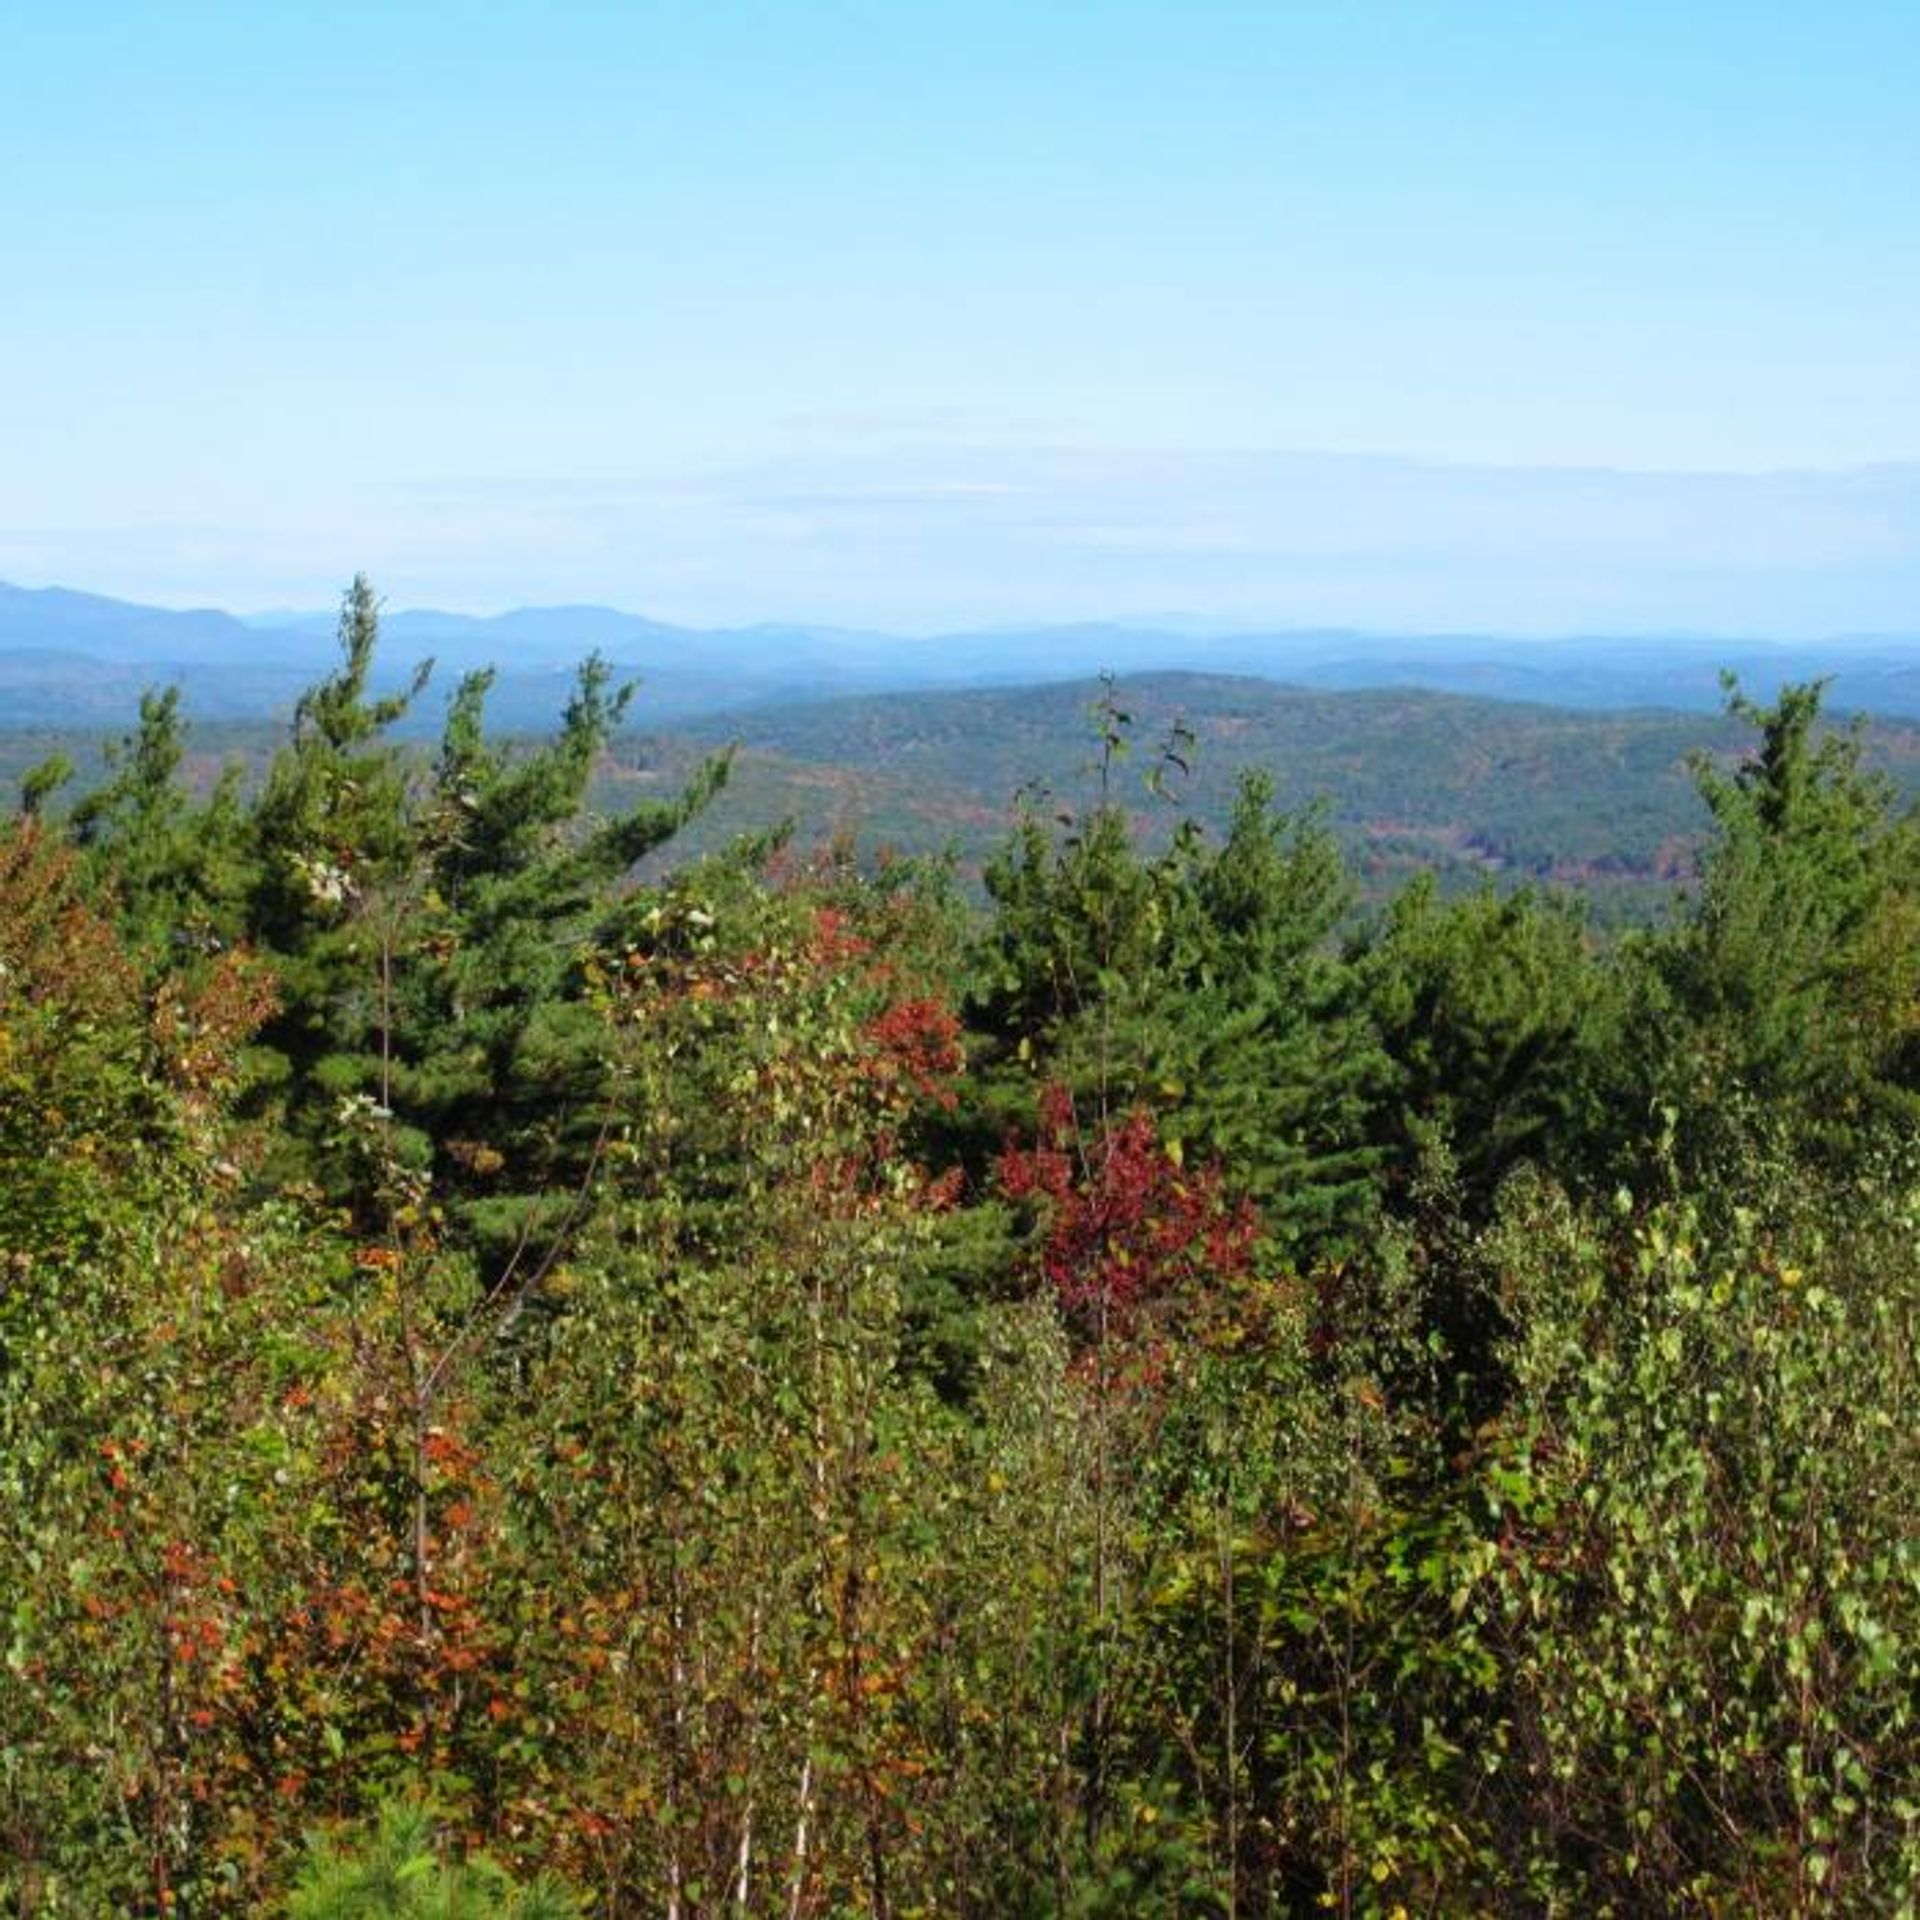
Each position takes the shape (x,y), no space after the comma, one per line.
(921,314)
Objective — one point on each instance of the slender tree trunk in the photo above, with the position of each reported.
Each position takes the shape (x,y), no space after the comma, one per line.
(422,1539)
(676,1739)
(743,1856)
(797,1884)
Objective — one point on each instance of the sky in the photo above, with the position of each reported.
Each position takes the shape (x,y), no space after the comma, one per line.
(1525,317)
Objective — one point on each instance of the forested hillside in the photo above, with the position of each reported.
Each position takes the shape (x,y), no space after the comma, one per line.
(1604,805)
(779,1388)
(1466,789)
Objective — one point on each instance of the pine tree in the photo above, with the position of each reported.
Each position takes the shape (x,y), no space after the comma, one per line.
(1491,1008)
(336,874)
(498,1057)
(1790,988)
(174,867)
(1262,1027)
(429,914)
(1204,984)
(398,1872)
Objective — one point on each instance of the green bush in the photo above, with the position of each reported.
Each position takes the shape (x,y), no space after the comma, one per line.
(399,1871)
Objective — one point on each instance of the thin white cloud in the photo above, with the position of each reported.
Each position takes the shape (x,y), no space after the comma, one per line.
(920,537)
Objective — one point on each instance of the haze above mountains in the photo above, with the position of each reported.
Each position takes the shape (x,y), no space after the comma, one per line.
(72,659)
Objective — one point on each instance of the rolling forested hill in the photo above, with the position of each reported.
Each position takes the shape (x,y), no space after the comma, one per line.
(1472,788)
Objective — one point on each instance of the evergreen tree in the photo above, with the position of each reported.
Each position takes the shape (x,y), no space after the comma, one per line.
(1204,983)
(429,916)
(1261,1027)
(336,875)
(498,1057)
(175,868)
(398,1873)
(1490,1008)
(1791,990)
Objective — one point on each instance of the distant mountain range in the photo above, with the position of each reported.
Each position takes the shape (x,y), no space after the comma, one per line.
(70,659)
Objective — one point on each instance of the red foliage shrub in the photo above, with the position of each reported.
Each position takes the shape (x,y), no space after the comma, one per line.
(917,1046)
(1128,1228)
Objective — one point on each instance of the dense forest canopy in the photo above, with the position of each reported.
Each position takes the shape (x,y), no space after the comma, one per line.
(779,1389)
(1467,789)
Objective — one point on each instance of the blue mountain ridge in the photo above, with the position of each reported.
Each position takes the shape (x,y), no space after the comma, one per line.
(71,658)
